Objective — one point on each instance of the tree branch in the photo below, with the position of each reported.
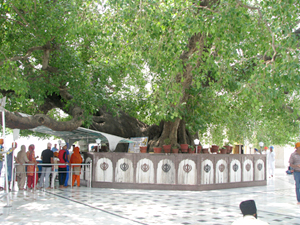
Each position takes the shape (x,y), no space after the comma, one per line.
(239,3)
(20,15)
(205,7)
(17,121)
(29,52)
(16,21)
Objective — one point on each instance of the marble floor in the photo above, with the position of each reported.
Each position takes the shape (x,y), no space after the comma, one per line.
(276,203)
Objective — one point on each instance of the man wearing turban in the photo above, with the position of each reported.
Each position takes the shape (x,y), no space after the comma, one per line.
(249,212)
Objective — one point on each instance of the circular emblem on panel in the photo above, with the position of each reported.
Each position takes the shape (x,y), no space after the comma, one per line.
(145,167)
(124,166)
(248,167)
(207,168)
(221,167)
(187,168)
(166,167)
(259,166)
(104,166)
(235,167)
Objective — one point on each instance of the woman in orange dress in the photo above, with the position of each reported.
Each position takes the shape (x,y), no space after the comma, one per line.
(31,168)
(76,158)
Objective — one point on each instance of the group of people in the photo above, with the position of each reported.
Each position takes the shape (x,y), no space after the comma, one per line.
(54,162)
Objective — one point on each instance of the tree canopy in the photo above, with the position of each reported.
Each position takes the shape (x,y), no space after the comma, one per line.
(218,69)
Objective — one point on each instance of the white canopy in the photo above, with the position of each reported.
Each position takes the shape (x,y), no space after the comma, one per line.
(84,134)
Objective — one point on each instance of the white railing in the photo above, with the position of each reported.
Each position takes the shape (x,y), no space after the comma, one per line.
(13,175)
(57,164)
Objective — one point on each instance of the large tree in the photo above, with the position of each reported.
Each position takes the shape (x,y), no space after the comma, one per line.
(164,69)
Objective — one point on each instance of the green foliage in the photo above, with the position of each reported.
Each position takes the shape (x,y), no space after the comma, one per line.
(128,55)
(167,141)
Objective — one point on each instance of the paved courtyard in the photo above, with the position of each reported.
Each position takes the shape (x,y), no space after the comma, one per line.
(276,203)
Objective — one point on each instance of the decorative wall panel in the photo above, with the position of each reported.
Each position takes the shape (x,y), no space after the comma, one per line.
(166,172)
(145,171)
(207,172)
(259,170)
(235,171)
(104,170)
(187,172)
(221,171)
(124,171)
(248,170)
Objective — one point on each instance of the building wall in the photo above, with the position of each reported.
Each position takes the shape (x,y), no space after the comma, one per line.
(282,155)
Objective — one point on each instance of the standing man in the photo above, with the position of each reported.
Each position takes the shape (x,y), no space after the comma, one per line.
(271,162)
(295,164)
(47,157)
(264,152)
(54,149)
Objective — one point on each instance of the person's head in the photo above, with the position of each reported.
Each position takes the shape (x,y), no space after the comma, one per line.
(14,145)
(64,146)
(23,148)
(76,150)
(271,148)
(248,208)
(31,147)
(297,146)
(49,145)
(55,154)
(255,149)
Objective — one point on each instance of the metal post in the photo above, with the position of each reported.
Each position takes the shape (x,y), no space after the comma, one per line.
(71,175)
(5,154)
(91,174)
(12,169)
(6,182)
(14,177)
(34,179)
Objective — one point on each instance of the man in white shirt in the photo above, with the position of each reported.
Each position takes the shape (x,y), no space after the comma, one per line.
(249,211)
(271,162)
